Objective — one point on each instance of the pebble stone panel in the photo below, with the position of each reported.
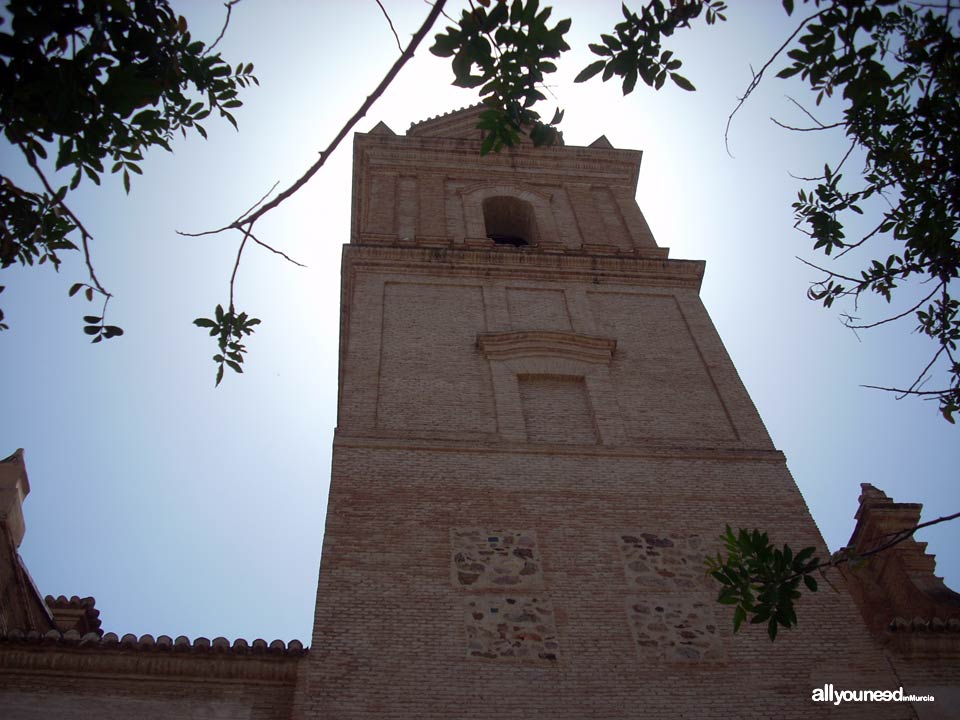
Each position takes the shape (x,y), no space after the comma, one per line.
(675,627)
(672,619)
(511,628)
(495,559)
(669,563)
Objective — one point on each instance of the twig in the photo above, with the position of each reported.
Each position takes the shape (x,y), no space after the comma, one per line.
(804,111)
(861,241)
(824,270)
(903,393)
(835,171)
(229,6)
(895,317)
(259,202)
(809,129)
(916,383)
(236,265)
(758,76)
(274,250)
(902,535)
(390,22)
(844,557)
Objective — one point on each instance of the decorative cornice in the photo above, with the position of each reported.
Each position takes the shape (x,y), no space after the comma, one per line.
(663,449)
(71,652)
(545,343)
(511,262)
(550,166)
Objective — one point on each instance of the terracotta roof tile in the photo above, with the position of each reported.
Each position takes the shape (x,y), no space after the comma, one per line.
(147,643)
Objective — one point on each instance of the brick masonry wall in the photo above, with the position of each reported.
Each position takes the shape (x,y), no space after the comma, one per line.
(392,641)
(399,634)
(64,695)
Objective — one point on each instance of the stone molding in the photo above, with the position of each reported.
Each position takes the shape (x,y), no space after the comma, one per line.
(650,269)
(546,343)
(657,450)
(621,167)
(539,353)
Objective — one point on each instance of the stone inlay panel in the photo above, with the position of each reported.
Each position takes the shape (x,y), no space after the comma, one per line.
(675,627)
(495,559)
(511,628)
(674,562)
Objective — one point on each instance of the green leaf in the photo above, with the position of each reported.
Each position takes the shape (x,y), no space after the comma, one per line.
(682,82)
(589,71)
(739,616)
(789,71)
(75,288)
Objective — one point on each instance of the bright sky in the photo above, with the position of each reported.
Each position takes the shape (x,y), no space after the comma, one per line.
(186,509)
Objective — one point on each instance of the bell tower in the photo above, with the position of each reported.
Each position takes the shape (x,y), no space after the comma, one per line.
(540,436)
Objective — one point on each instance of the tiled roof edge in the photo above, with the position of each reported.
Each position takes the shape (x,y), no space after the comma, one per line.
(441,116)
(162,643)
(918,624)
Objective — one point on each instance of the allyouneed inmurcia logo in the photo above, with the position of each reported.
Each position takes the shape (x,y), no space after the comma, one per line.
(829,694)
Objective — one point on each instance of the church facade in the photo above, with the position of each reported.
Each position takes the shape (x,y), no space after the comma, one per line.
(540,437)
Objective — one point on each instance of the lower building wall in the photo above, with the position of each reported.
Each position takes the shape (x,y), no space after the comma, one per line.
(85,698)
(460,584)
(78,686)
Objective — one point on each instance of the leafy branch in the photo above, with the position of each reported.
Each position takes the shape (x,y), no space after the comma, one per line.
(230,326)
(98,83)
(635,49)
(762,582)
(506,52)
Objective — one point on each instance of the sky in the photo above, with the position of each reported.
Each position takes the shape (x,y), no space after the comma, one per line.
(188,509)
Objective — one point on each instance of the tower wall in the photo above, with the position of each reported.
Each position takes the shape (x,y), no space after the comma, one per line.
(536,448)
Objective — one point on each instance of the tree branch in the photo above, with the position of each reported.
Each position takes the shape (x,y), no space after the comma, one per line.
(916,383)
(85,236)
(900,536)
(895,317)
(226,22)
(368,103)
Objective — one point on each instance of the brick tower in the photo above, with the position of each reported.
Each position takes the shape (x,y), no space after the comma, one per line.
(540,436)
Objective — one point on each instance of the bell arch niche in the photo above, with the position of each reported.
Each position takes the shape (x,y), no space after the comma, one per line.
(508,215)
(509,220)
